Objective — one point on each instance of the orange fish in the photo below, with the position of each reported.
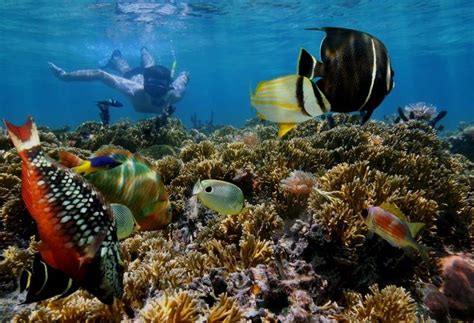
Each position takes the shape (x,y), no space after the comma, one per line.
(391,224)
(74,222)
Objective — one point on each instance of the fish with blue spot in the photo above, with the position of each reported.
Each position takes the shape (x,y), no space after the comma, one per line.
(74,222)
(127,179)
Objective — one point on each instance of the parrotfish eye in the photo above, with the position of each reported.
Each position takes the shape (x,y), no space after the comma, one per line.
(365,213)
(208,189)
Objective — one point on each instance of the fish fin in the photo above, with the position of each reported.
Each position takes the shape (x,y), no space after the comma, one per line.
(25,136)
(415,228)
(90,251)
(84,169)
(197,188)
(283,128)
(25,280)
(392,208)
(365,115)
(308,65)
(69,160)
(46,282)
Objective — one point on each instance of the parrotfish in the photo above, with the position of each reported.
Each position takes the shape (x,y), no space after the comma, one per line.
(74,222)
(127,179)
(355,75)
(390,223)
(220,196)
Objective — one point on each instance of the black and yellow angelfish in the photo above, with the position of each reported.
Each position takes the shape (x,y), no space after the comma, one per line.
(355,74)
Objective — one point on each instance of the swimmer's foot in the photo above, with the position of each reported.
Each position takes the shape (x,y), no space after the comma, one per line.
(58,72)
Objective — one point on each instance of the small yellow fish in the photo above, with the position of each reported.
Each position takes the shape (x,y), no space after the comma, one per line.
(220,196)
(391,224)
(124,221)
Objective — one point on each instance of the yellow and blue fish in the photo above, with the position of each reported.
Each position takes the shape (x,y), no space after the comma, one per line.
(128,179)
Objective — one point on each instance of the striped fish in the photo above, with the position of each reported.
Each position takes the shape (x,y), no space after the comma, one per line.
(390,223)
(355,75)
(74,222)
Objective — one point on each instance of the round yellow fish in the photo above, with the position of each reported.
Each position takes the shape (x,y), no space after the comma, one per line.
(124,221)
(220,196)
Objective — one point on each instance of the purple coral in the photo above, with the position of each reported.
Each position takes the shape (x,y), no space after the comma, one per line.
(421,111)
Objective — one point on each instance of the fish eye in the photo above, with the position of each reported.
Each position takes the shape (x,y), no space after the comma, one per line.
(208,189)
(365,213)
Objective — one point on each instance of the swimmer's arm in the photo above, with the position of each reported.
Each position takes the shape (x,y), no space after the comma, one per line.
(121,84)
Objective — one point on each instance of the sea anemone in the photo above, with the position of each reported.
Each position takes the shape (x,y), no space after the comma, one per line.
(421,111)
(298,183)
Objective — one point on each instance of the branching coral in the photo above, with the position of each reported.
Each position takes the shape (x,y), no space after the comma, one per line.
(226,311)
(391,304)
(179,307)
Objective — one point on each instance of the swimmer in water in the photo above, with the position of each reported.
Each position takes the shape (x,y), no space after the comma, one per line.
(150,87)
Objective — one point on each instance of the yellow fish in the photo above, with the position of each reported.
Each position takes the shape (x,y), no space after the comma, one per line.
(124,221)
(220,196)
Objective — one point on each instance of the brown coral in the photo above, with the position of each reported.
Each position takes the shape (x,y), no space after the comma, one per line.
(391,304)
(179,307)
(226,311)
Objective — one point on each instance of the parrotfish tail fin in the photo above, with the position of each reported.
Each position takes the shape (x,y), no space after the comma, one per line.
(309,66)
(23,137)
(44,282)
(415,228)
(69,160)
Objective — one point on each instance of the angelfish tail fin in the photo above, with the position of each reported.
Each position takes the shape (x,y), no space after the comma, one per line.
(308,65)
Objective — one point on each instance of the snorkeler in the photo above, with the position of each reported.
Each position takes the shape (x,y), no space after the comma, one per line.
(150,87)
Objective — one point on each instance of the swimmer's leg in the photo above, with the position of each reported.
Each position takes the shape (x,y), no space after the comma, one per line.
(118,63)
(147,59)
(119,83)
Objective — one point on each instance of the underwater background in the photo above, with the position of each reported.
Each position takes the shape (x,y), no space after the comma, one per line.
(286,233)
(228,47)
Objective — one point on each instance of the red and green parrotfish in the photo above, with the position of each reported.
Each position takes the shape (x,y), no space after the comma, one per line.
(74,222)
(391,224)
(127,179)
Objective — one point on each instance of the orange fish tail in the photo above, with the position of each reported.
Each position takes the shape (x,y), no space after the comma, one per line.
(23,137)
(69,160)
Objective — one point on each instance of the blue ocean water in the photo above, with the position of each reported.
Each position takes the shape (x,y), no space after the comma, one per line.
(228,46)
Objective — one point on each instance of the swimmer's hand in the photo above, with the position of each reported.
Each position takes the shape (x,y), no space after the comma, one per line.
(58,72)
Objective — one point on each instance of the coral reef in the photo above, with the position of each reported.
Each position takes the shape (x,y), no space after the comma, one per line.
(300,241)
(391,304)
(462,142)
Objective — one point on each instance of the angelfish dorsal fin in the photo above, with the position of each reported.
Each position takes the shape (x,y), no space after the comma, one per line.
(308,65)
(392,208)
